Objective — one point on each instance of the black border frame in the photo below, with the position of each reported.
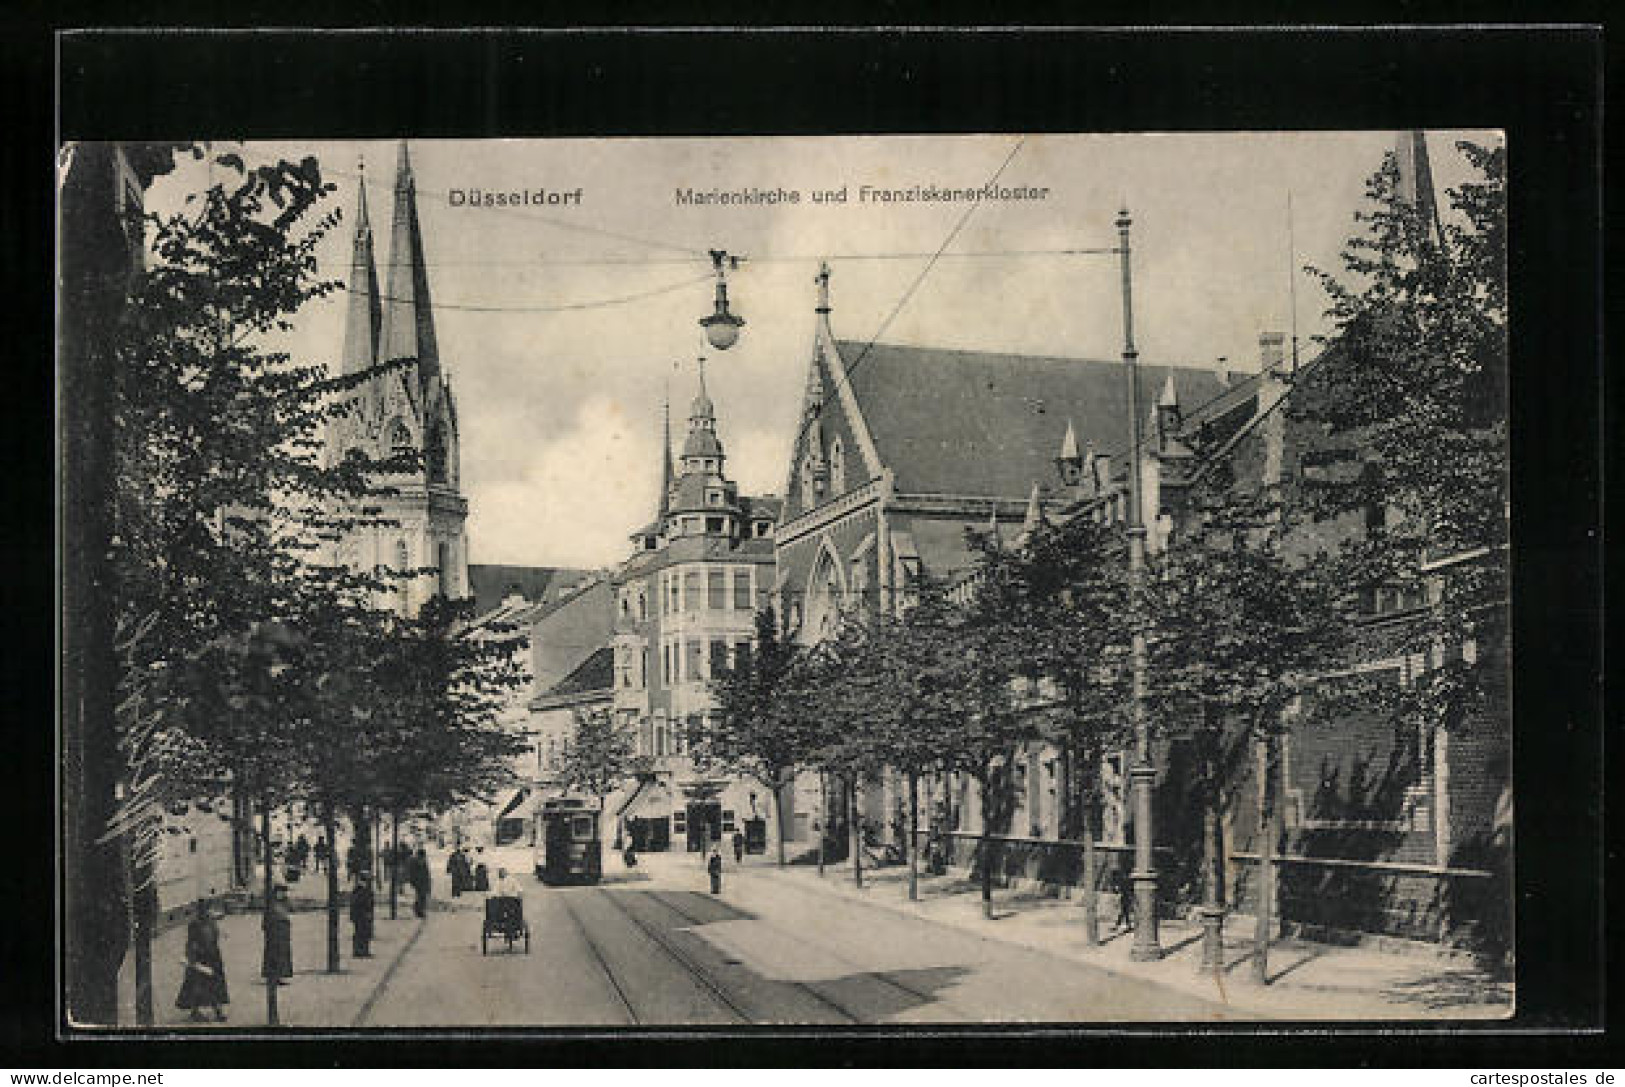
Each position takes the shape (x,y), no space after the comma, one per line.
(1542,85)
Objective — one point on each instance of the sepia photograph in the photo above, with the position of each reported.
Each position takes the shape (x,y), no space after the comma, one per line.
(786,581)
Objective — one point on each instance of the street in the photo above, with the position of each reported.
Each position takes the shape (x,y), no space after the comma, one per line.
(650,948)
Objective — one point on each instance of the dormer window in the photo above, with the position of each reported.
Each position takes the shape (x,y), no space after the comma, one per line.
(714,498)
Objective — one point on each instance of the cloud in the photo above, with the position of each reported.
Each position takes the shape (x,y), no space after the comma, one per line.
(583,488)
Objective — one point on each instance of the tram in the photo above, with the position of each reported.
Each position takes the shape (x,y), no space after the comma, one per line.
(571,850)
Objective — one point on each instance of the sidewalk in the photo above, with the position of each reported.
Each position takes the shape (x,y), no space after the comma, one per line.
(311,998)
(1308,980)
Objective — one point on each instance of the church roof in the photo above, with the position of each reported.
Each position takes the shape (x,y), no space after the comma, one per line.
(363,317)
(988,424)
(491,584)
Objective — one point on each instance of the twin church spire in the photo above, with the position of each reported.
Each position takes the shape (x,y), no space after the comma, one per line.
(397,323)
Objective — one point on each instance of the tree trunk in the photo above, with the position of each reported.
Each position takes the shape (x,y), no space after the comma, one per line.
(857,831)
(778,819)
(143,918)
(1269,808)
(823,819)
(268,888)
(330,827)
(913,836)
(394,861)
(1091,858)
(987,845)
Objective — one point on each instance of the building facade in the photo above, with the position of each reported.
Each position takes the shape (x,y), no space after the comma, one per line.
(405,410)
(684,605)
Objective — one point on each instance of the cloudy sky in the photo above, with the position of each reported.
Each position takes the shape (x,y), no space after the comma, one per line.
(564,326)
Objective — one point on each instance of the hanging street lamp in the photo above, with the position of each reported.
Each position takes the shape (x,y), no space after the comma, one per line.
(722,327)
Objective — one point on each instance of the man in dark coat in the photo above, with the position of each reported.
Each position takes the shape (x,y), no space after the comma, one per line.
(714,868)
(277,964)
(739,848)
(361,910)
(417,873)
(205,982)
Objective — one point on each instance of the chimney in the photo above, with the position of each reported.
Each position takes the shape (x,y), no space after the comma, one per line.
(1271,350)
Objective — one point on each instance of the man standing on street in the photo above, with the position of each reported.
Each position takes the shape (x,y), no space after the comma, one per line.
(714,868)
(361,912)
(418,875)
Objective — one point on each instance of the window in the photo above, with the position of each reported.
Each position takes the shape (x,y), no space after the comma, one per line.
(713,498)
(643,605)
(691,659)
(727,821)
(742,654)
(716,589)
(719,658)
(679,821)
(672,606)
(741,590)
(691,591)
(665,663)
(444,561)
(713,524)
(837,468)
(400,439)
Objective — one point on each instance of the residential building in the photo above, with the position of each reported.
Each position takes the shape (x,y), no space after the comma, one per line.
(685,606)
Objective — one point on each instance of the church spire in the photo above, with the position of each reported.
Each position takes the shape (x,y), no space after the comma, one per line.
(408,323)
(362,319)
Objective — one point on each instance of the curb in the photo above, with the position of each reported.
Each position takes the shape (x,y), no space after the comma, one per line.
(1013,940)
(387,976)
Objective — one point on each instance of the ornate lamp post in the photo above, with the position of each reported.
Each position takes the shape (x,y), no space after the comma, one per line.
(1143,774)
(722,327)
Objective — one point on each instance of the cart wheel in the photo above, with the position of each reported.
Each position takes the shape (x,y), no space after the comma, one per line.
(484,950)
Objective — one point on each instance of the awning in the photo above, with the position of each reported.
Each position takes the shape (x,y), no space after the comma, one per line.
(517,799)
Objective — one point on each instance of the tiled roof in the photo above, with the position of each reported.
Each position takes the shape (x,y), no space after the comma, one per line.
(974,423)
(492,584)
(596,673)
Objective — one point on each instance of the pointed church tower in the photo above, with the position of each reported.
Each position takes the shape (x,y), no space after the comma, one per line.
(667,475)
(408,324)
(404,409)
(364,315)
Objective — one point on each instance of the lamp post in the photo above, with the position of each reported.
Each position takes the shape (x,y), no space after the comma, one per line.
(721,326)
(1143,774)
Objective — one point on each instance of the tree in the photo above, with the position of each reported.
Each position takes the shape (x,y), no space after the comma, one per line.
(598,756)
(1240,632)
(754,730)
(1414,376)
(210,433)
(907,669)
(1407,408)
(1065,592)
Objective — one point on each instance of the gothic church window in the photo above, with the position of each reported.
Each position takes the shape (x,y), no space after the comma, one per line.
(837,468)
(400,439)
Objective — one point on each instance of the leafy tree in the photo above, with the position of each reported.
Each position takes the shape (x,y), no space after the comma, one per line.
(755,731)
(1414,377)
(912,666)
(1065,592)
(1240,632)
(1407,409)
(599,755)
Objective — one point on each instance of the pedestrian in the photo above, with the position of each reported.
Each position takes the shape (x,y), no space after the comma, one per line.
(1125,898)
(361,911)
(277,964)
(205,983)
(739,848)
(482,874)
(418,875)
(714,868)
(457,870)
(321,852)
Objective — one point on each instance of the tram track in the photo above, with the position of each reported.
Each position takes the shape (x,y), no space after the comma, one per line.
(809,988)
(603,964)
(691,968)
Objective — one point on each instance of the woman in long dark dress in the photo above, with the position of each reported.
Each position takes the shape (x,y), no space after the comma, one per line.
(205,983)
(277,963)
